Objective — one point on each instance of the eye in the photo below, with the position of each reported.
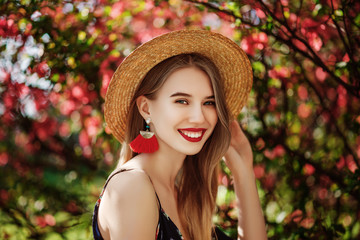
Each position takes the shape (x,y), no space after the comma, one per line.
(182,101)
(211,103)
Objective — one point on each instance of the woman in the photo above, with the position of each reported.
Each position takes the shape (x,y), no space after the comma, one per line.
(184,89)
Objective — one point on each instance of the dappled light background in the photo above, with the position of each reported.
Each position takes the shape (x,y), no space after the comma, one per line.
(302,118)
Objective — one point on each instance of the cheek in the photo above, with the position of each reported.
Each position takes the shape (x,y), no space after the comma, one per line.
(163,115)
(213,117)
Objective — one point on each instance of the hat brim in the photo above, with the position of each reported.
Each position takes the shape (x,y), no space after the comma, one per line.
(232,62)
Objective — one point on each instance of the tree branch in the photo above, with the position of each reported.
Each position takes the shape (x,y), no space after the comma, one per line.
(314,58)
(333,118)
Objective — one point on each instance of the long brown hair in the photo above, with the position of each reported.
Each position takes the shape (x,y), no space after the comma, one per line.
(197,181)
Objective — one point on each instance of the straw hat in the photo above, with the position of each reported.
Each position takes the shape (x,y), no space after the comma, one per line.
(231,60)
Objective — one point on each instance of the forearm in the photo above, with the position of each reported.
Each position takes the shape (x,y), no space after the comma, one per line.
(239,159)
(251,224)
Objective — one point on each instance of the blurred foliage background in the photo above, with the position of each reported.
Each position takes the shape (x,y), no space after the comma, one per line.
(303,115)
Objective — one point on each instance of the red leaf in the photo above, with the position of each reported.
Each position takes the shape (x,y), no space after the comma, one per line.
(42,69)
(260,13)
(308,169)
(299,44)
(350,163)
(259,171)
(340,163)
(302,92)
(296,215)
(346,58)
(40,221)
(307,222)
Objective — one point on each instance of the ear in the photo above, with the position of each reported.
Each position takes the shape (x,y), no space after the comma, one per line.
(143,106)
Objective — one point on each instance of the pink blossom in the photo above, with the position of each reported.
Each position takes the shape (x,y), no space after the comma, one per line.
(342,100)
(49,220)
(307,222)
(279,151)
(4,158)
(92,125)
(45,129)
(315,41)
(64,129)
(320,74)
(105,82)
(259,171)
(260,144)
(84,139)
(323,193)
(77,92)
(116,9)
(67,107)
(304,111)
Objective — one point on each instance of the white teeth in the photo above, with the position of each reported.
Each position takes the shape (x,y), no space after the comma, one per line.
(192,134)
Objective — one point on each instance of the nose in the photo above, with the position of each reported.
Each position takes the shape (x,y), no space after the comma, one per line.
(197,114)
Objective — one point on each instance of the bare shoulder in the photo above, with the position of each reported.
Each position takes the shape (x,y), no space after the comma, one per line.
(129,182)
(128,204)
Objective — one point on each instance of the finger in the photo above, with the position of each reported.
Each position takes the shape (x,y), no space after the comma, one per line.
(230,153)
(236,131)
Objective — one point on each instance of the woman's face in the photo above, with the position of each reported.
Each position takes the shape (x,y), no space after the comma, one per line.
(183,113)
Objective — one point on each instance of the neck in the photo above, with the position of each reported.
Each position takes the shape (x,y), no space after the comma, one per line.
(163,167)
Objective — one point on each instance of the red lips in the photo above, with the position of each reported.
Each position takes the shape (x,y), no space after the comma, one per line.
(192,134)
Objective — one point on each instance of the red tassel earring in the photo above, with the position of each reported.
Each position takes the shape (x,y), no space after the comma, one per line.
(145,142)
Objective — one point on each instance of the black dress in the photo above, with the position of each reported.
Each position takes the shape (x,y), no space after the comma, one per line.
(165,230)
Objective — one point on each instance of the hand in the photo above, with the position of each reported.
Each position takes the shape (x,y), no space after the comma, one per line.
(239,159)
(239,154)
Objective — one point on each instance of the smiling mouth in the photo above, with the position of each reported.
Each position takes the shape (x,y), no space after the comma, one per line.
(192,134)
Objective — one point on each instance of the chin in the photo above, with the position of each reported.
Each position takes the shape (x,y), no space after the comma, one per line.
(192,152)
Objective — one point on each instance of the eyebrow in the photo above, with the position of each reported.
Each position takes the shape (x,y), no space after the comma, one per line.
(181,94)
